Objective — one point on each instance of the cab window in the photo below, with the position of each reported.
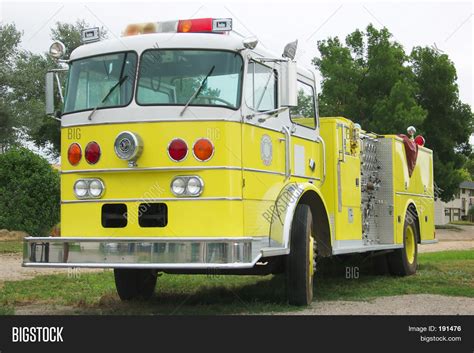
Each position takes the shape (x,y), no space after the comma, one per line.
(304,113)
(261,87)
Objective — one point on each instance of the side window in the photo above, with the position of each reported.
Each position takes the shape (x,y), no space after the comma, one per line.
(304,113)
(261,87)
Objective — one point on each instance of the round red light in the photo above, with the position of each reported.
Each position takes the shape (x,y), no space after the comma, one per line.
(420,140)
(177,150)
(74,153)
(92,152)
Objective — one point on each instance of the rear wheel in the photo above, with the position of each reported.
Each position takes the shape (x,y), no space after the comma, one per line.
(403,262)
(134,284)
(300,262)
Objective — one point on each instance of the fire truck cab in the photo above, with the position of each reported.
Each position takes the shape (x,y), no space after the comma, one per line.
(187,148)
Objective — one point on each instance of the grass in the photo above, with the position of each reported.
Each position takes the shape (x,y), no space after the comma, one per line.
(445,273)
(11,246)
(462,223)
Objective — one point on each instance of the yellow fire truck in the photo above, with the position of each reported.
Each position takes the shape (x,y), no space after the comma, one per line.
(188,148)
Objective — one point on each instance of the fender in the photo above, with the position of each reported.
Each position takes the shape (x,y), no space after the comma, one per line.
(398,236)
(283,212)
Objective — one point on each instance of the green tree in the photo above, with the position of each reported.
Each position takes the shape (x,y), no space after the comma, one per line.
(305,107)
(367,80)
(449,122)
(47,131)
(29,192)
(371,80)
(469,166)
(9,41)
(27,87)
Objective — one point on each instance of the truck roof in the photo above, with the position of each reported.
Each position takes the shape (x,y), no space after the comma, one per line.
(140,43)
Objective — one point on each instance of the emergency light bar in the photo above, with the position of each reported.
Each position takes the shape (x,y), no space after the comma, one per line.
(197,25)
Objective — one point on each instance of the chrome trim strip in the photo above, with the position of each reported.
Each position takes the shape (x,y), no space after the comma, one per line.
(156,199)
(304,177)
(177,168)
(268,252)
(430,241)
(365,248)
(414,194)
(262,171)
(147,169)
(147,121)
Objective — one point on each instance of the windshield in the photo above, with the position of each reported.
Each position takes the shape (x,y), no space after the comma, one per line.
(101,82)
(190,77)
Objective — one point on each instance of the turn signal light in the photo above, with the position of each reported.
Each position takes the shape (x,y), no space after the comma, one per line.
(177,150)
(92,152)
(74,153)
(203,149)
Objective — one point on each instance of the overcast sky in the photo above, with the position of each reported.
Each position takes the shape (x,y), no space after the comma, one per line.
(447,26)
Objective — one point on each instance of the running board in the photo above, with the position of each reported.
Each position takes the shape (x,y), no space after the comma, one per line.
(363,248)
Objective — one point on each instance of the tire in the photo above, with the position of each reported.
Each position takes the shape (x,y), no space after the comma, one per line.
(134,284)
(403,262)
(300,261)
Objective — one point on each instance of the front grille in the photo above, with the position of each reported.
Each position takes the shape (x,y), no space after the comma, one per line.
(114,215)
(152,215)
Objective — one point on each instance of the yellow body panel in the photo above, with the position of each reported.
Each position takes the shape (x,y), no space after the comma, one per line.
(240,185)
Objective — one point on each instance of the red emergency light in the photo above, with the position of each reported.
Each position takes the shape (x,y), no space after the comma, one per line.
(196,25)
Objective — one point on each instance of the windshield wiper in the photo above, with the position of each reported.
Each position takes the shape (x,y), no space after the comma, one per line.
(111,90)
(197,91)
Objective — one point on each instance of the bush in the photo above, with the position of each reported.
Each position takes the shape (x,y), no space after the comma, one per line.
(29,193)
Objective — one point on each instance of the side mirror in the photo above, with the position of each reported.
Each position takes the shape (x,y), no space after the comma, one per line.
(50,93)
(289,92)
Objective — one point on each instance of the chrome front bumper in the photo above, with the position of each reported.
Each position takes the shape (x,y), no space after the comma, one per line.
(156,253)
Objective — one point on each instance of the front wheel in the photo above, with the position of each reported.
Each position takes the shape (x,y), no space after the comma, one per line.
(403,262)
(300,262)
(134,284)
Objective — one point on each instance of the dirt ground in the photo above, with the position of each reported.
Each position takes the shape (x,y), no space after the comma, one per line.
(413,304)
(451,240)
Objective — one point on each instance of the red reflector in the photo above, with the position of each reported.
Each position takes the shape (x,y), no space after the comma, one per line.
(420,140)
(74,153)
(92,152)
(177,150)
(196,25)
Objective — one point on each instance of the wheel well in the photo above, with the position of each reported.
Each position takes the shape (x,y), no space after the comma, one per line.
(412,216)
(320,222)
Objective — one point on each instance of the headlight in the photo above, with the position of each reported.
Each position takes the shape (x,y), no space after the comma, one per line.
(178,186)
(96,188)
(88,188)
(187,186)
(194,186)
(128,146)
(81,188)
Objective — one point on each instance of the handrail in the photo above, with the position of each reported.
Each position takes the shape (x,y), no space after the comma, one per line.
(323,144)
(287,139)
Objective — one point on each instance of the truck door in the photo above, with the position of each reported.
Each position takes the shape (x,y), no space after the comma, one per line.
(306,152)
(263,146)
(348,185)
